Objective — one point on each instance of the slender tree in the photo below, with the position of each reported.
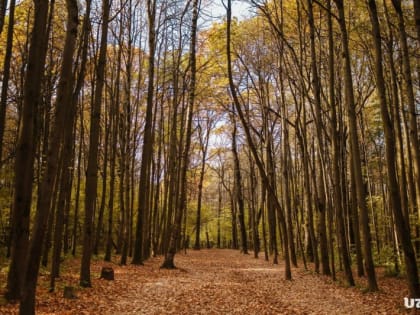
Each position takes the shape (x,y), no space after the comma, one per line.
(355,149)
(92,166)
(144,183)
(6,69)
(64,93)
(25,152)
(239,199)
(204,138)
(395,198)
(168,262)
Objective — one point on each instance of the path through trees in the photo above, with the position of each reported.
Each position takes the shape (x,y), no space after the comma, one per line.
(216,282)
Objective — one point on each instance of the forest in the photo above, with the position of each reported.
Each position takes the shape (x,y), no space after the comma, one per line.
(163,137)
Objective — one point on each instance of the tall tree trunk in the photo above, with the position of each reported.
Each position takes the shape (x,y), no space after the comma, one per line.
(199,200)
(253,217)
(6,69)
(320,187)
(78,184)
(176,230)
(355,225)
(100,225)
(417,17)
(355,150)
(335,133)
(3,7)
(25,152)
(92,166)
(63,104)
(409,97)
(233,212)
(272,214)
(394,193)
(287,182)
(219,211)
(404,184)
(204,145)
(146,160)
(113,130)
(238,190)
(86,28)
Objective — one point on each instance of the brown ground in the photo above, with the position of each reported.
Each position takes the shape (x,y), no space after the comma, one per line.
(213,282)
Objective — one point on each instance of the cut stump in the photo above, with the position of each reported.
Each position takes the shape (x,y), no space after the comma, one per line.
(69,293)
(107,273)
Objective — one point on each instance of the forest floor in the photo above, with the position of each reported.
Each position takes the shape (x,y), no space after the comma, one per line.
(213,282)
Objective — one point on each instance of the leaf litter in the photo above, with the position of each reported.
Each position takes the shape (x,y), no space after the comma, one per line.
(215,281)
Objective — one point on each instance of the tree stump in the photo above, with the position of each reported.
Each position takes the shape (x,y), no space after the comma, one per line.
(107,273)
(69,293)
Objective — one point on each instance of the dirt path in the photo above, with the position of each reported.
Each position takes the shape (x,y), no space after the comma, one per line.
(215,282)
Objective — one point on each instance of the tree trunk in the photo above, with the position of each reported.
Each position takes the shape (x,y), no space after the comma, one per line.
(3,7)
(355,150)
(417,17)
(92,166)
(204,145)
(335,132)
(6,67)
(144,183)
(394,193)
(176,229)
(25,152)
(238,191)
(320,186)
(409,98)
(64,93)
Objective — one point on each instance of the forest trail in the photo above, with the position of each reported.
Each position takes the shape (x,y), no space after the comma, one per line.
(214,282)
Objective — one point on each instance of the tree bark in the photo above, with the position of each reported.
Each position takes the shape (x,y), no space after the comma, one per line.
(92,166)
(203,147)
(320,187)
(394,193)
(238,190)
(6,69)
(144,183)
(3,7)
(168,262)
(63,104)
(25,152)
(355,150)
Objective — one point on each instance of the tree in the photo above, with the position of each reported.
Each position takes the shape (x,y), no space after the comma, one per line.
(408,95)
(144,183)
(355,150)
(238,188)
(204,138)
(25,154)
(64,98)
(3,7)
(320,188)
(6,68)
(92,166)
(168,262)
(403,233)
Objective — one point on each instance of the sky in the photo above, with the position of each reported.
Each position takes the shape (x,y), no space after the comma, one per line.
(214,10)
